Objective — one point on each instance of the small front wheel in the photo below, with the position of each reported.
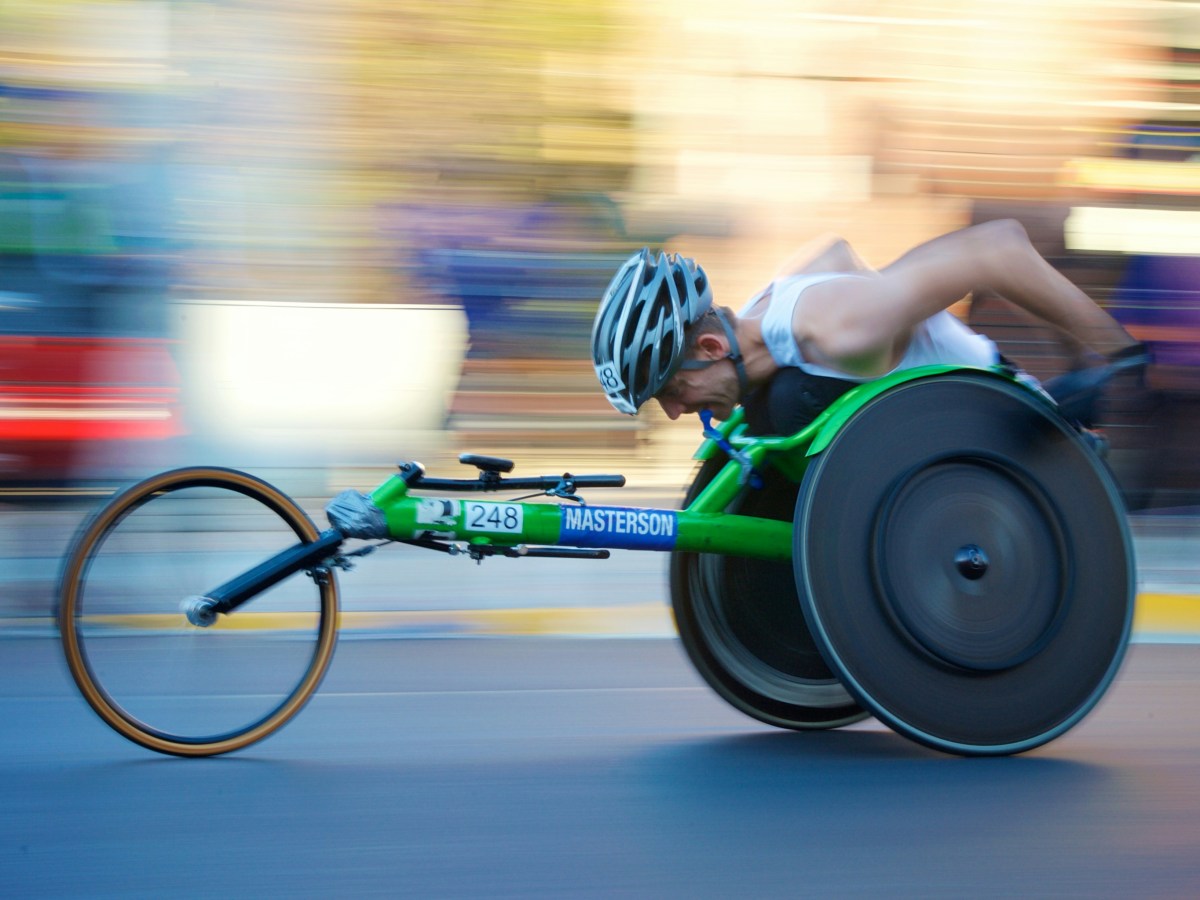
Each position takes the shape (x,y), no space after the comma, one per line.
(138,641)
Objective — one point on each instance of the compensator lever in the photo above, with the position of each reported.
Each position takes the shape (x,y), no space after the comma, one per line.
(491,468)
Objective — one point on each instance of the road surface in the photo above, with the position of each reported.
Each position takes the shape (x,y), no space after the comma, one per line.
(551,767)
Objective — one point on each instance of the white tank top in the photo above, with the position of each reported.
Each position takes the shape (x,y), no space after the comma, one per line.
(939,340)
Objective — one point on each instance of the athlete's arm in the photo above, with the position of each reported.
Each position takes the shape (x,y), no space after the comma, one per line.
(861,324)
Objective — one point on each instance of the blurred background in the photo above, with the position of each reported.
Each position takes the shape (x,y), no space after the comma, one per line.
(313,239)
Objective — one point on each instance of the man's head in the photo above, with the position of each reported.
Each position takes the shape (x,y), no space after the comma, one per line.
(640,338)
(699,383)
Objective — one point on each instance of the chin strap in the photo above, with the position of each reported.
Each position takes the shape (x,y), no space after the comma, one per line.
(749,474)
(735,354)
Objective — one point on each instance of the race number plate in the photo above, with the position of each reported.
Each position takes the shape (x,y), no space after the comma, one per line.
(506,518)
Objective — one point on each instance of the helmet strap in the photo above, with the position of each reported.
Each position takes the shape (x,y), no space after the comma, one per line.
(735,354)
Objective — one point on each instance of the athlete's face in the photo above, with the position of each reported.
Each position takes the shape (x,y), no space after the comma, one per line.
(691,390)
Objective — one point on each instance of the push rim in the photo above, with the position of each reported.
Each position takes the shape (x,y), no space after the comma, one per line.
(740,623)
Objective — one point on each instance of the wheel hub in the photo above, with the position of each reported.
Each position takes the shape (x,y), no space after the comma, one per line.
(976,608)
(972,563)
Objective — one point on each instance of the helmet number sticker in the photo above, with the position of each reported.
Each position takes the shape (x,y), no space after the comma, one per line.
(609,379)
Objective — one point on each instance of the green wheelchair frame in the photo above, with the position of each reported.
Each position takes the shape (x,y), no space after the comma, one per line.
(939,548)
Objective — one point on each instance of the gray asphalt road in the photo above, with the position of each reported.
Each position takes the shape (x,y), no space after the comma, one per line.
(589,768)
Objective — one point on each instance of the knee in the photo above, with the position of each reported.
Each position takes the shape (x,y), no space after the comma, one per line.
(1005,233)
(1002,242)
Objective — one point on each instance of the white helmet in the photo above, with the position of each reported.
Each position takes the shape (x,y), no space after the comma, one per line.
(638,335)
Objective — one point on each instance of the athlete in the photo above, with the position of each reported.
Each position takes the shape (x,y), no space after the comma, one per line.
(830,323)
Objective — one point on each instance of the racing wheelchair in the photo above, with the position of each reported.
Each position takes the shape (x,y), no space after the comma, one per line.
(940,548)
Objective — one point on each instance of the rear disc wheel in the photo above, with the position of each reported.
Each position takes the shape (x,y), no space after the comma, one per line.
(964,564)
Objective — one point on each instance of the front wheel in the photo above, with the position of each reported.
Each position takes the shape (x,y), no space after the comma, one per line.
(159,680)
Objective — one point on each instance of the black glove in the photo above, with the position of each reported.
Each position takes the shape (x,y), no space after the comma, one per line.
(1078,393)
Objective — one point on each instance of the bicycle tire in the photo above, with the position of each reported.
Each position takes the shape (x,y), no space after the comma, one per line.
(116,607)
(742,628)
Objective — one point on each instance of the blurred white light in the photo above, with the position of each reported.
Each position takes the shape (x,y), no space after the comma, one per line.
(97,413)
(1124,230)
(320,382)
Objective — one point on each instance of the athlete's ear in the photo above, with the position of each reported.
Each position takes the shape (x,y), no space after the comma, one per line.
(712,346)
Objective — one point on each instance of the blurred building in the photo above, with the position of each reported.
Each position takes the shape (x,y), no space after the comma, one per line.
(88,378)
(497,159)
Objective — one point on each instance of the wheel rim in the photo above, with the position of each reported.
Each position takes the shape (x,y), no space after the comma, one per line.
(151,676)
(755,630)
(995,600)
(741,625)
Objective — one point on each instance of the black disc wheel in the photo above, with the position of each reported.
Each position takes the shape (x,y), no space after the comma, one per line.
(740,623)
(159,680)
(964,564)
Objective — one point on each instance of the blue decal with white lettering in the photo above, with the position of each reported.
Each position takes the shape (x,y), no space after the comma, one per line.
(618,526)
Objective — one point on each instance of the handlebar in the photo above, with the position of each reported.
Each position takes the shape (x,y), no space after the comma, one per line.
(492,470)
(489,482)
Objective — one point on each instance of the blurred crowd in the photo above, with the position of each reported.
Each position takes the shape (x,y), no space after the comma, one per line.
(163,162)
